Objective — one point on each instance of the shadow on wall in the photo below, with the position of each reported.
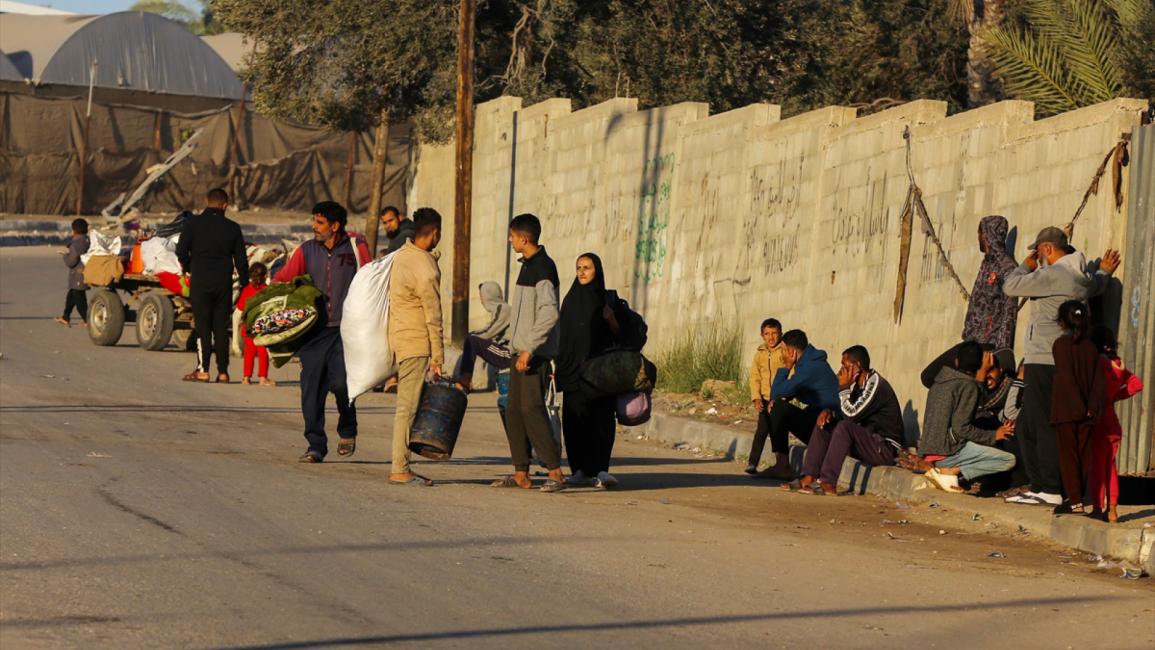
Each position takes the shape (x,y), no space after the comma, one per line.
(910,424)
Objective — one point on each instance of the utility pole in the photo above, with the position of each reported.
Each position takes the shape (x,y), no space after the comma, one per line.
(463,192)
(377,182)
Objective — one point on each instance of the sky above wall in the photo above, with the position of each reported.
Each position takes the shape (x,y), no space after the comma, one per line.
(85,6)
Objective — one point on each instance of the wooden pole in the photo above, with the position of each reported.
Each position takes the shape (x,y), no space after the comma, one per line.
(377,183)
(84,139)
(463,190)
(349,162)
(156,140)
(238,126)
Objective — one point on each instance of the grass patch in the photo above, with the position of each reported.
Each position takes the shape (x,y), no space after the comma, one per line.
(708,353)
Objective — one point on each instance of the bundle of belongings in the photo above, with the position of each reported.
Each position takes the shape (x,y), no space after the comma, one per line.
(282,316)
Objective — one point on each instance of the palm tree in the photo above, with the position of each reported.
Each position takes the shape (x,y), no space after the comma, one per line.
(980,16)
(1071,54)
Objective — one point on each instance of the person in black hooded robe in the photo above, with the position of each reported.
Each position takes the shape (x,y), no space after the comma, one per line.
(589,327)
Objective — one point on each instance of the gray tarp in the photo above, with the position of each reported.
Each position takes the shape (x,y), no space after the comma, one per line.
(280,165)
(8,70)
(133,50)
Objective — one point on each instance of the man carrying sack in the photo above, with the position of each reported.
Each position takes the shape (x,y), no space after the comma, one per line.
(415,333)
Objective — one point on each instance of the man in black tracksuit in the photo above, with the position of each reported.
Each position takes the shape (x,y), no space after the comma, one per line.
(210,247)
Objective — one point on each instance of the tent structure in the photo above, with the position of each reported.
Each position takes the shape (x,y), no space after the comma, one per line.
(8,70)
(230,46)
(134,51)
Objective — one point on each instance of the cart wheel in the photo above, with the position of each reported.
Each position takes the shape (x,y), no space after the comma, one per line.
(154,321)
(185,340)
(105,317)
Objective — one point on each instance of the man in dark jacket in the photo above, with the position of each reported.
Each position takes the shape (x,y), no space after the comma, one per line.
(950,437)
(867,425)
(210,247)
(398,229)
(77,297)
(813,383)
(331,259)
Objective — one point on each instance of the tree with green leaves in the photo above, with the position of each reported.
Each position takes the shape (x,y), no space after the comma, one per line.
(351,65)
(198,23)
(1072,53)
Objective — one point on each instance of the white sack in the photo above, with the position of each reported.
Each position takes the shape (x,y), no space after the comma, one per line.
(365,328)
(99,244)
(159,256)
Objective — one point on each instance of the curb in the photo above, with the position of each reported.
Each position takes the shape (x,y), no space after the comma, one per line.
(1134,546)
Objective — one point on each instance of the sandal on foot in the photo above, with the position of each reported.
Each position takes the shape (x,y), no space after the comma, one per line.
(62,321)
(202,377)
(347,446)
(311,457)
(414,480)
(223,378)
(552,486)
(505,482)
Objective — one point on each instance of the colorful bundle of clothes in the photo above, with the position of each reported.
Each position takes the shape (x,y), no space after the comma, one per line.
(280,321)
(282,316)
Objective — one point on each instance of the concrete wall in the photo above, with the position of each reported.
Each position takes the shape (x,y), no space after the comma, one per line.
(706,220)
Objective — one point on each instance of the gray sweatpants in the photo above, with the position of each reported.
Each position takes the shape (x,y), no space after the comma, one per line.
(527,421)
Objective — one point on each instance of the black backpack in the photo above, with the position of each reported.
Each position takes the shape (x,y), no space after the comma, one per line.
(634,332)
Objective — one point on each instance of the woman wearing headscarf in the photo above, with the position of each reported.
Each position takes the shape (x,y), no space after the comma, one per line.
(588,328)
(991,314)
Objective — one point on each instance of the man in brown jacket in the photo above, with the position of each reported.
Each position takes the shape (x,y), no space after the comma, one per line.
(415,332)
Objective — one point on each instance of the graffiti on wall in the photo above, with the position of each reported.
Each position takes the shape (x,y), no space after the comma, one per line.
(654,217)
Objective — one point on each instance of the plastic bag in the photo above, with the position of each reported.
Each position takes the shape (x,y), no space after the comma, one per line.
(365,328)
(159,256)
(633,409)
(99,244)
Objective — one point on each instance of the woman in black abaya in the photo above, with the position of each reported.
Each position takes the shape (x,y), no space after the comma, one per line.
(588,328)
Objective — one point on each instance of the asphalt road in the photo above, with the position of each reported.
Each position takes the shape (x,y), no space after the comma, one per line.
(140,511)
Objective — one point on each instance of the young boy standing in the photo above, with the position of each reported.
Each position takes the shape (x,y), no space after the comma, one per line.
(257,283)
(767,361)
(76,288)
(533,342)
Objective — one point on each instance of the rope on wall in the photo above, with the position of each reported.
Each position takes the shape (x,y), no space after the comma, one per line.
(914,205)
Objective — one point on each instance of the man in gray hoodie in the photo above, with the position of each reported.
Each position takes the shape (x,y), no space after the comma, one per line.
(1050,275)
(489,342)
(533,340)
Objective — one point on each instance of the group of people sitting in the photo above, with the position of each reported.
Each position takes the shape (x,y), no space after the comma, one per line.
(1041,431)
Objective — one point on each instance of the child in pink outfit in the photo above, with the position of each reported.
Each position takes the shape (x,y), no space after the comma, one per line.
(257,282)
(1103,475)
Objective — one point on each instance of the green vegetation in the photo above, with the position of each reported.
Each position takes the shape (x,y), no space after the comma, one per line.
(710,353)
(197,22)
(1064,54)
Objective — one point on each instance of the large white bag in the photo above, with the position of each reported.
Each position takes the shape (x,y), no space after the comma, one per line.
(99,244)
(159,256)
(365,328)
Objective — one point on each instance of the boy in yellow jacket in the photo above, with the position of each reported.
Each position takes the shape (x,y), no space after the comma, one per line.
(767,361)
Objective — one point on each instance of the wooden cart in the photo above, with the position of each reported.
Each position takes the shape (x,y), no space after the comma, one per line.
(160,315)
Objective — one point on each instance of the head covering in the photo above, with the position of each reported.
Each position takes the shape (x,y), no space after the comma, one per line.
(991,314)
(492,296)
(584,333)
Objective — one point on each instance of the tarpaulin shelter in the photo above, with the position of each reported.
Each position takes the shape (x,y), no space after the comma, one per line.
(8,70)
(156,84)
(132,50)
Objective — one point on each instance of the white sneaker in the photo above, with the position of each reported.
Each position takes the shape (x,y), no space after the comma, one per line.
(578,478)
(606,480)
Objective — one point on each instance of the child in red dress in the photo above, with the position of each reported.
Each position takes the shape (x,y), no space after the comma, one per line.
(1103,475)
(257,282)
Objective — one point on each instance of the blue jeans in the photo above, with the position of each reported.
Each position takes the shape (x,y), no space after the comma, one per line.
(977,460)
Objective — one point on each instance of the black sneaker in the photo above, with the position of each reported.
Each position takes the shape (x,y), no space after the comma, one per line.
(311,457)
(751,469)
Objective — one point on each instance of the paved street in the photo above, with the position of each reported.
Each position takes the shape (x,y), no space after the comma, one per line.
(137,511)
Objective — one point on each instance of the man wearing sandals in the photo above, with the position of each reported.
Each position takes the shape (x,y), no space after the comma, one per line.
(415,332)
(210,246)
(533,341)
(331,259)
(948,429)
